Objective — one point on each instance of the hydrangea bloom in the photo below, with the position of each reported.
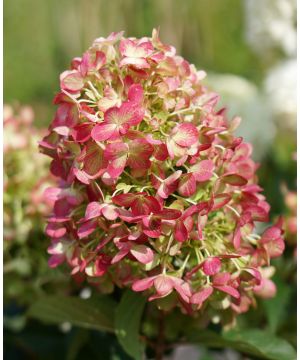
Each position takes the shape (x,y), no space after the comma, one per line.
(155,192)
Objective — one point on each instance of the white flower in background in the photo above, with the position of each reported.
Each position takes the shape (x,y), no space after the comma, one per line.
(85,293)
(280,87)
(271,24)
(244,98)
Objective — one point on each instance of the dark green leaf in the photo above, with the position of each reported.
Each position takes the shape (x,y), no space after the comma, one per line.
(95,313)
(127,323)
(79,339)
(253,342)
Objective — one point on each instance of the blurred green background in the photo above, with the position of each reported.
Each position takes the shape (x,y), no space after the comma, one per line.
(41,37)
(248,49)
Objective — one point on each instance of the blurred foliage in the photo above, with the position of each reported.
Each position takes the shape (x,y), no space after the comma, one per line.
(279,162)
(49,342)
(40,39)
(26,176)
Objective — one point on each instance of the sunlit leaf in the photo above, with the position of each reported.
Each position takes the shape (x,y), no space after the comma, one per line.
(253,342)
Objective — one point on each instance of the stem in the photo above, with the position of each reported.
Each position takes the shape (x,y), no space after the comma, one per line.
(187,200)
(169,244)
(233,210)
(163,133)
(160,348)
(189,111)
(95,91)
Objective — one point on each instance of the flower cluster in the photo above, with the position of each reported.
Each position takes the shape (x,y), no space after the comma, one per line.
(155,192)
(26,174)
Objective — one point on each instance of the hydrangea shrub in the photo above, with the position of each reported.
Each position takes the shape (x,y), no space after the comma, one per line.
(26,174)
(25,178)
(154,191)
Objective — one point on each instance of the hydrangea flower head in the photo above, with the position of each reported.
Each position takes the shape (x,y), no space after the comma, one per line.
(155,192)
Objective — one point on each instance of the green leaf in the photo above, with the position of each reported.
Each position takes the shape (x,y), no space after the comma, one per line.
(261,343)
(94,313)
(253,342)
(276,307)
(127,323)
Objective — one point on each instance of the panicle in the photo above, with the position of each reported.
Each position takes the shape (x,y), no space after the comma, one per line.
(154,191)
